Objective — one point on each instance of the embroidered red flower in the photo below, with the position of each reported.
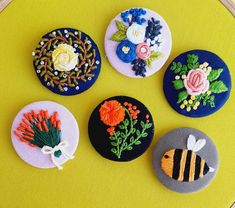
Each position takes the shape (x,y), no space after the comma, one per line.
(111,113)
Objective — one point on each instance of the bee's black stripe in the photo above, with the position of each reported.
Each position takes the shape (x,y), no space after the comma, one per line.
(206,169)
(197,167)
(187,166)
(176,166)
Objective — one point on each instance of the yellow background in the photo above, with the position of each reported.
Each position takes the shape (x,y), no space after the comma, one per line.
(90,180)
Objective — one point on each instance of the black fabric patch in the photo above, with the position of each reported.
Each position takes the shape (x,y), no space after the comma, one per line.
(187,166)
(197,167)
(176,167)
(206,169)
(99,136)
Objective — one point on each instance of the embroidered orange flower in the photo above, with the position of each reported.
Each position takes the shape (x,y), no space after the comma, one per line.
(112,113)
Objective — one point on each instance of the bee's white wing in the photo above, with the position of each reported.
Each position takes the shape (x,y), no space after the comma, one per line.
(191,142)
(199,145)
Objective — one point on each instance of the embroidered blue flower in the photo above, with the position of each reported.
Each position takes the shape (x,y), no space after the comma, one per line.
(126,51)
(134,15)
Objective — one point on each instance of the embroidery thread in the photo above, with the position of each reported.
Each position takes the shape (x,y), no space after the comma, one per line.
(122,121)
(199,83)
(185,165)
(43,131)
(65,58)
(138,45)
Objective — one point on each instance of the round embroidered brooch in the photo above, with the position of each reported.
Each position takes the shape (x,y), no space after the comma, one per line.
(138,42)
(121,128)
(45,134)
(185,160)
(67,61)
(197,83)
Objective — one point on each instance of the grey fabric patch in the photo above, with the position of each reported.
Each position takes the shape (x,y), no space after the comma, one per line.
(177,139)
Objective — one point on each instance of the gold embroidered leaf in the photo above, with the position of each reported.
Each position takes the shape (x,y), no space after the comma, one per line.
(119,36)
(121,26)
(153,56)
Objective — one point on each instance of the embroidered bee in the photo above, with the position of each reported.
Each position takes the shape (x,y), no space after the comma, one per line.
(184,164)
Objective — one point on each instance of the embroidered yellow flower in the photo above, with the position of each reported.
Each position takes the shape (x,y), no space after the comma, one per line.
(64,58)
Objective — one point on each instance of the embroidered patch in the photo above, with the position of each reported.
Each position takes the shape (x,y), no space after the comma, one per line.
(185,160)
(200,82)
(184,164)
(38,131)
(138,42)
(67,61)
(121,128)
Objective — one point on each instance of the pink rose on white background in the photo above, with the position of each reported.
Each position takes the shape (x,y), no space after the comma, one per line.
(196,82)
(143,51)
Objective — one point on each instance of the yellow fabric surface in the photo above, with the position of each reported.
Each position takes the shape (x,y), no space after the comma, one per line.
(89,180)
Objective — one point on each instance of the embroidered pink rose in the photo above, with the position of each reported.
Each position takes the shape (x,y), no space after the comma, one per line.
(196,82)
(143,51)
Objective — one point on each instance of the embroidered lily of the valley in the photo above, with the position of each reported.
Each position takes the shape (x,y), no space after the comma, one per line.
(198,83)
(122,121)
(139,45)
(43,131)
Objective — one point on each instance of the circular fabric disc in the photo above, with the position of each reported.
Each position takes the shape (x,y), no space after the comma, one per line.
(185,160)
(121,128)
(67,61)
(41,124)
(197,83)
(138,42)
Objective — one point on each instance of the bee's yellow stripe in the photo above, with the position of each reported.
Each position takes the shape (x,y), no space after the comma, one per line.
(202,168)
(192,167)
(182,165)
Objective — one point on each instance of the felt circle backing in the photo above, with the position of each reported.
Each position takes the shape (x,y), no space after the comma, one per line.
(80,85)
(215,62)
(69,131)
(177,139)
(100,138)
(126,69)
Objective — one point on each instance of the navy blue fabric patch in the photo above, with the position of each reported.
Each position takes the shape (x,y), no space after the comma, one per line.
(121,138)
(76,80)
(219,99)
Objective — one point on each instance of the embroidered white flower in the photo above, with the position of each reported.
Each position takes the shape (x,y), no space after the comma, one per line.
(64,57)
(135,33)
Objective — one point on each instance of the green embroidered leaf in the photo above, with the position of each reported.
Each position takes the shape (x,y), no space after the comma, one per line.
(138,142)
(192,61)
(132,139)
(142,124)
(114,144)
(137,132)
(129,148)
(218,87)
(112,138)
(179,68)
(121,26)
(122,135)
(144,134)
(182,96)
(133,130)
(214,74)
(178,84)
(119,140)
(148,125)
(114,150)
(117,133)
(134,122)
(126,122)
(121,126)
(153,56)
(119,36)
